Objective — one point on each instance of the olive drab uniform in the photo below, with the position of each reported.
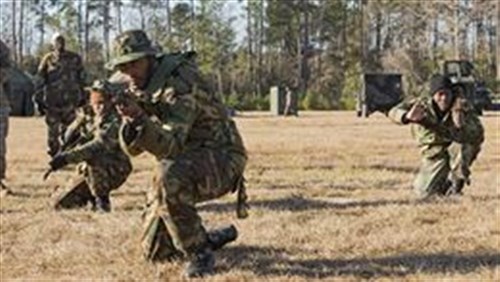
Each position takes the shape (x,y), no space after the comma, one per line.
(105,167)
(62,78)
(4,108)
(447,151)
(200,154)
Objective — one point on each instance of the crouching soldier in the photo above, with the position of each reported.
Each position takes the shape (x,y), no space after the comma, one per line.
(449,134)
(106,166)
(175,116)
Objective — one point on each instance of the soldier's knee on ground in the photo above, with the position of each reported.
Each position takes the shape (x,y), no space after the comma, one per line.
(77,196)
(432,177)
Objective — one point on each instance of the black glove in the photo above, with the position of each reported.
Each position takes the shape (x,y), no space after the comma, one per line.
(129,132)
(58,161)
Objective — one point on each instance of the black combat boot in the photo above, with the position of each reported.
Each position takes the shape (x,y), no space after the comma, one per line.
(201,263)
(456,187)
(52,152)
(4,190)
(219,237)
(102,204)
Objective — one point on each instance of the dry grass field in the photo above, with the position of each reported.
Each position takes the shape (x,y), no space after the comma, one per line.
(330,199)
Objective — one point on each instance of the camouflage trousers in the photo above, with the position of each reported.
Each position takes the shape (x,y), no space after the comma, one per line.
(4,130)
(171,221)
(450,163)
(102,179)
(57,121)
(93,181)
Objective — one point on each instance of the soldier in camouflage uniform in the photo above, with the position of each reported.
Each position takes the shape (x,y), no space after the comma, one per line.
(62,79)
(449,134)
(4,111)
(107,166)
(176,117)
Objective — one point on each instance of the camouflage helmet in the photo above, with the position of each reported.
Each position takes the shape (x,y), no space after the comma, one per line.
(440,82)
(104,89)
(57,36)
(4,55)
(129,46)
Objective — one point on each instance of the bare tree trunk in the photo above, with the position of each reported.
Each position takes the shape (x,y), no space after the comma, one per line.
(28,31)
(260,48)
(21,29)
(169,17)
(492,43)
(464,48)
(343,51)
(193,23)
(364,18)
(480,43)
(220,84)
(42,24)
(143,17)
(388,39)
(14,35)
(304,73)
(319,62)
(80,26)
(86,33)
(498,46)
(106,27)
(250,47)
(378,31)
(432,31)
(435,31)
(456,29)
(118,5)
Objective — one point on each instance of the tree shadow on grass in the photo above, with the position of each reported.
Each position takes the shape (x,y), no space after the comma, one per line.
(389,167)
(273,261)
(34,195)
(298,203)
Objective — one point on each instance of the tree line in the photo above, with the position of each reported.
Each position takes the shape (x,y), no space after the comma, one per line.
(319,47)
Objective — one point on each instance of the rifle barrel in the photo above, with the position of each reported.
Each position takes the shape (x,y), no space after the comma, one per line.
(47,174)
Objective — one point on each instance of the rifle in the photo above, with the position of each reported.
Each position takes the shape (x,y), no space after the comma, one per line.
(71,139)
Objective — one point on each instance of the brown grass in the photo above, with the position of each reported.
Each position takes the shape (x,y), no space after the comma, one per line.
(330,197)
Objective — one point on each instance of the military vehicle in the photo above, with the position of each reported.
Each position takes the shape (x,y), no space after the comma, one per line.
(462,75)
(20,93)
(379,92)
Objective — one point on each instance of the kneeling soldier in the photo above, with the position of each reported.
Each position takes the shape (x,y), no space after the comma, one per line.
(449,134)
(106,165)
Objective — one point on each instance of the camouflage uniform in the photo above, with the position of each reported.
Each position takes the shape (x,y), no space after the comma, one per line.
(4,107)
(106,165)
(447,151)
(200,154)
(62,75)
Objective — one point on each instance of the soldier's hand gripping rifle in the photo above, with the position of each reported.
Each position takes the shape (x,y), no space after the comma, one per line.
(71,139)
(57,162)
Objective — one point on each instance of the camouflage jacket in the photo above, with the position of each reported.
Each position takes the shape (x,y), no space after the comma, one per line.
(184,114)
(62,76)
(99,140)
(4,87)
(434,132)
